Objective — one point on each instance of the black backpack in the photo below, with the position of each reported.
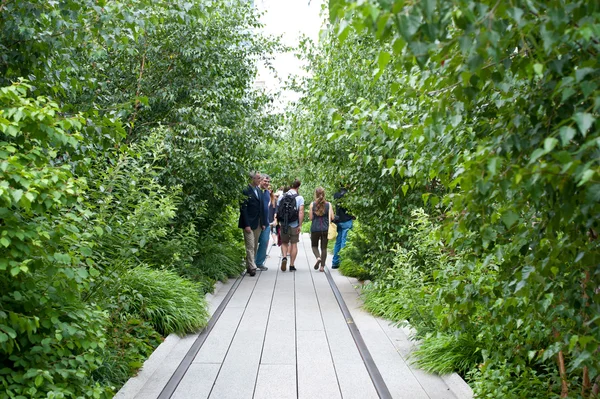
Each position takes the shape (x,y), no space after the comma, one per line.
(287,211)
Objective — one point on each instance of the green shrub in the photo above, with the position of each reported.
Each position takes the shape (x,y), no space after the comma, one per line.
(49,337)
(219,253)
(352,269)
(171,304)
(406,291)
(402,297)
(504,380)
(130,341)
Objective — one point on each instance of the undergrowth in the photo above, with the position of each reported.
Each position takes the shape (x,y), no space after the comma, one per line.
(130,341)
(170,303)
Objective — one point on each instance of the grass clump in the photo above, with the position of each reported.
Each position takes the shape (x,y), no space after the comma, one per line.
(444,354)
(170,303)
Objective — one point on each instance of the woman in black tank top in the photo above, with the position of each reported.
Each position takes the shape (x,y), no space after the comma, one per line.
(320,214)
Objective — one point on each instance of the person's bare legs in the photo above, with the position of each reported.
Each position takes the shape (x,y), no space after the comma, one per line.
(293,253)
(284,253)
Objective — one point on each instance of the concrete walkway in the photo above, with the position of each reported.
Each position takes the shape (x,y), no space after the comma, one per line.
(283,335)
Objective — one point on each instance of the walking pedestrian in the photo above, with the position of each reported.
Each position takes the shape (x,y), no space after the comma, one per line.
(290,214)
(343,220)
(321,214)
(263,240)
(252,220)
(272,215)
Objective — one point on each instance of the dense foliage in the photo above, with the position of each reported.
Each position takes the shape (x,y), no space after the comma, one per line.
(485,114)
(126,128)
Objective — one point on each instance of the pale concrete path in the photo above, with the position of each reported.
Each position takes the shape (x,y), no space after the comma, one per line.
(283,335)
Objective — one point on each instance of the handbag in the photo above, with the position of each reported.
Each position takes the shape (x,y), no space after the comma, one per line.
(332,231)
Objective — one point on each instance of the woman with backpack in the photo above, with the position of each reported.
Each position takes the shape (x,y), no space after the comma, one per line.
(320,214)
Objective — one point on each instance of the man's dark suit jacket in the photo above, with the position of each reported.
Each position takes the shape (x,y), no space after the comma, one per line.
(251,210)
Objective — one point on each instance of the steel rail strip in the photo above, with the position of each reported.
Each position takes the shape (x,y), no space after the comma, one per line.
(378,382)
(189,357)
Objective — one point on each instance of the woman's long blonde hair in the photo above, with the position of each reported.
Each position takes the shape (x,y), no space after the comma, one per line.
(272,196)
(319,207)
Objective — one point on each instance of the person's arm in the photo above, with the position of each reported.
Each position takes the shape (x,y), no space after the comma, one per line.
(310,212)
(244,213)
(331,215)
(300,218)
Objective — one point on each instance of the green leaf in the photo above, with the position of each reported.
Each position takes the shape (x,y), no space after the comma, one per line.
(30,196)
(586,176)
(408,24)
(537,154)
(62,258)
(573,342)
(82,272)
(17,194)
(581,73)
(549,144)
(384,58)
(584,121)
(493,165)
(566,134)
(5,241)
(509,218)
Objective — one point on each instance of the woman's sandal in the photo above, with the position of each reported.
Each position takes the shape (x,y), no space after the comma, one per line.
(321,269)
(318,263)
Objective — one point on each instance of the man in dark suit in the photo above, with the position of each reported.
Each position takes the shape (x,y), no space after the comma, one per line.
(252,219)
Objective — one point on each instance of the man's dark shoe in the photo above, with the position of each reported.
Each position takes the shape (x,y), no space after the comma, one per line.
(251,273)
(292,268)
(262,268)
(335,266)
(283,264)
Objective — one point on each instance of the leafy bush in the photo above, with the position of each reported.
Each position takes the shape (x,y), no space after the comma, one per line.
(171,304)
(49,337)
(164,122)
(219,255)
(485,113)
(503,380)
(130,341)
(402,297)
(350,268)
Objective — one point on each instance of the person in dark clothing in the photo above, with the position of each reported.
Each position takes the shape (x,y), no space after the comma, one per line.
(343,220)
(263,240)
(252,220)
(320,214)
